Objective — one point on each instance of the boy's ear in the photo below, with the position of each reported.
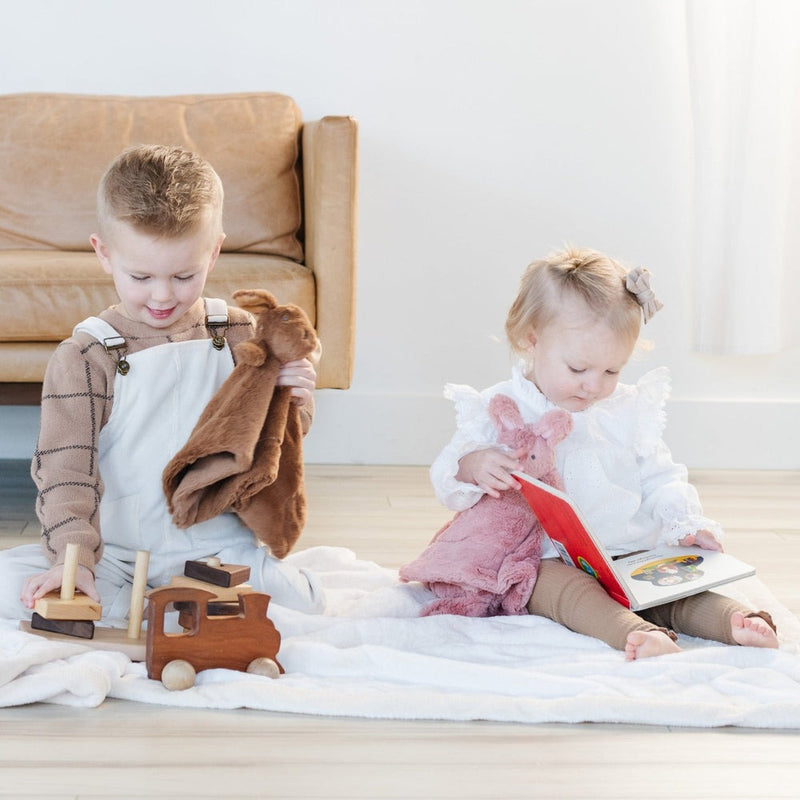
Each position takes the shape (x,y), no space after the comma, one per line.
(102,252)
(215,254)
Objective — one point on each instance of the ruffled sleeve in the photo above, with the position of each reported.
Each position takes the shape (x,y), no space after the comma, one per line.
(634,417)
(472,417)
(652,392)
(690,524)
(668,497)
(474,430)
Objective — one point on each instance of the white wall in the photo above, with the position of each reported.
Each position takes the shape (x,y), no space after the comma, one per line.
(491,133)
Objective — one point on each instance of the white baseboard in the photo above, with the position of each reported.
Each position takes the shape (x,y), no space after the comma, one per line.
(411,429)
(735,434)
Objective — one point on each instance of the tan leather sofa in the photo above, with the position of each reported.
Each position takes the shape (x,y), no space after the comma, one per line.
(290,213)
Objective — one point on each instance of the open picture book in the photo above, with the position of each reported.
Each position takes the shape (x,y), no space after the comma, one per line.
(639,580)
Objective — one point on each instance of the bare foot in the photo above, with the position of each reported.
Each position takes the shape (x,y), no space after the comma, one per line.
(752,631)
(643,644)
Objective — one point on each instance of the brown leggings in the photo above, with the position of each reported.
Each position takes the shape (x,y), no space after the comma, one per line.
(576,600)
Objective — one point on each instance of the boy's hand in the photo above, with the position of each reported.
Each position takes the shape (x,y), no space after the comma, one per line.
(702,538)
(302,377)
(37,586)
(490,470)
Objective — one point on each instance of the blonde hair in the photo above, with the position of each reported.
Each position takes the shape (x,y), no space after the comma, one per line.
(578,272)
(160,189)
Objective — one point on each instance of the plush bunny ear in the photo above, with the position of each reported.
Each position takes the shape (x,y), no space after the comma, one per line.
(505,413)
(554,426)
(254,300)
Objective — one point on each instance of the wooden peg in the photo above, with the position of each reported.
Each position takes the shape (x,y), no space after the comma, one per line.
(137,594)
(70,571)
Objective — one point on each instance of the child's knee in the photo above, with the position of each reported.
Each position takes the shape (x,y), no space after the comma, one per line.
(559,586)
(286,584)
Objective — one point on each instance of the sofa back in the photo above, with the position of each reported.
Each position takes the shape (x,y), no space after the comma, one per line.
(56,147)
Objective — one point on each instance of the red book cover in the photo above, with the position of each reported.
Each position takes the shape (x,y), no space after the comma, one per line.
(565,527)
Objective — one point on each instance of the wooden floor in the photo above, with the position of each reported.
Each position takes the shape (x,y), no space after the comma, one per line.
(386,514)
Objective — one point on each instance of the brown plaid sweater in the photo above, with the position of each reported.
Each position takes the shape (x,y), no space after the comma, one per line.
(77,398)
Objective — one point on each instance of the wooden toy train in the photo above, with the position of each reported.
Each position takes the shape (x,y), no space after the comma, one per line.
(244,640)
(224,623)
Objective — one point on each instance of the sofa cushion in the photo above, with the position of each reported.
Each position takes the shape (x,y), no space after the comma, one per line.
(55,148)
(45,293)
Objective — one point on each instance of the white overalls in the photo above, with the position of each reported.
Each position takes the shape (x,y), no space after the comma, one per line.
(156,405)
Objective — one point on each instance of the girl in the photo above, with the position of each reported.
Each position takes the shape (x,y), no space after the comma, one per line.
(574,323)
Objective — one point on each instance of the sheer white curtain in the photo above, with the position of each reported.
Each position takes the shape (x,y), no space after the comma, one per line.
(744,73)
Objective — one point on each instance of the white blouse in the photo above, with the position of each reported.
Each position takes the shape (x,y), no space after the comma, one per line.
(615,464)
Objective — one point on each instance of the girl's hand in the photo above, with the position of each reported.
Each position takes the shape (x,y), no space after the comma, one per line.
(302,377)
(701,538)
(490,470)
(37,586)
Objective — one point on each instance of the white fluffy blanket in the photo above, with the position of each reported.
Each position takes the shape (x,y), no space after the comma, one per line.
(371,655)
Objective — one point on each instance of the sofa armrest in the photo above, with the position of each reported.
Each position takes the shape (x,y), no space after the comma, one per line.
(330,187)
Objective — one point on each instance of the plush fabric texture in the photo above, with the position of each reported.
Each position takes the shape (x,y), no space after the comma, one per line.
(484,561)
(245,453)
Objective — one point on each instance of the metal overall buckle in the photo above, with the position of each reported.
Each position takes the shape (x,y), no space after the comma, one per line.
(216,323)
(115,346)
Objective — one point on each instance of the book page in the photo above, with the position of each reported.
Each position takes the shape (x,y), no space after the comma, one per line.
(669,573)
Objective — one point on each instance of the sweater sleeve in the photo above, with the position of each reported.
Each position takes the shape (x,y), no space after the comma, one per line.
(76,397)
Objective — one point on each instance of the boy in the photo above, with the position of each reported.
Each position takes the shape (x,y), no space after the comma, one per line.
(123,393)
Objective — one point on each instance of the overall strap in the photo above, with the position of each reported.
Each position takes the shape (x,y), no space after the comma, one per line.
(216,311)
(108,336)
(216,320)
(98,328)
